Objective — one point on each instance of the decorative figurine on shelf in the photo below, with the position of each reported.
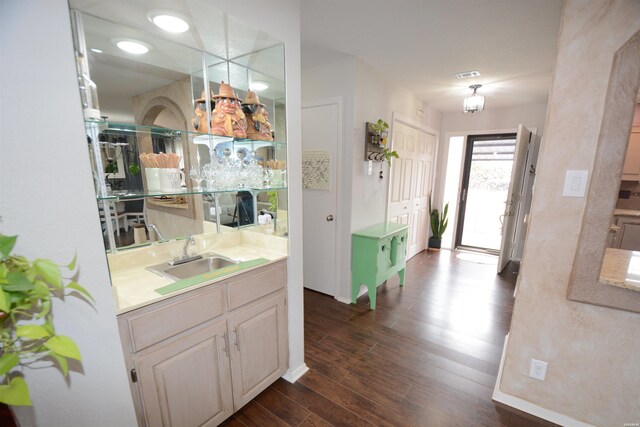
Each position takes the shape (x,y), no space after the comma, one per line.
(258,127)
(199,122)
(227,118)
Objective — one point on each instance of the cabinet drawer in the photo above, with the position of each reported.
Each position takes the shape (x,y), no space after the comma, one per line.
(153,326)
(250,287)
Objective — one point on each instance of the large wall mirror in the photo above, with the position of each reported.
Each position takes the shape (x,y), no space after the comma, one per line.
(145,105)
(606,270)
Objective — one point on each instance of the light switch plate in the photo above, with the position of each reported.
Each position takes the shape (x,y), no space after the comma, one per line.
(575,183)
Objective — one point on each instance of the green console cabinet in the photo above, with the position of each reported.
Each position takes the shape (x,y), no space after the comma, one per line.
(377,253)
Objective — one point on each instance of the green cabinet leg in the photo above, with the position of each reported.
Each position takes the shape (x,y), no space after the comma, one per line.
(401,275)
(372,296)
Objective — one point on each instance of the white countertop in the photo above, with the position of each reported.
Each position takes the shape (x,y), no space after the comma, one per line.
(134,286)
(621,268)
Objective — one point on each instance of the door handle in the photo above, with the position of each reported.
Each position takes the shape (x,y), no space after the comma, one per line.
(329,218)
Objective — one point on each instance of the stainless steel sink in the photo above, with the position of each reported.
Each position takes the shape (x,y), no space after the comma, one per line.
(208,263)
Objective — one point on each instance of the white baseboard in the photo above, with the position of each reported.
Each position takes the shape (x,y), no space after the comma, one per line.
(343,300)
(528,407)
(294,375)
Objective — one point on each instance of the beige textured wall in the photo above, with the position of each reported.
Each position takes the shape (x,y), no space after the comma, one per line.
(593,352)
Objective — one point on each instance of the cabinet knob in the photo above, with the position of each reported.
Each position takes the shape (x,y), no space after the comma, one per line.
(329,218)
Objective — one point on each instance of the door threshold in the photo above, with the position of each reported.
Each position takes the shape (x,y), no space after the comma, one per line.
(472,249)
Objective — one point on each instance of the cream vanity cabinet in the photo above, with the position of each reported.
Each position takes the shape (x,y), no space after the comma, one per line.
(627,233)
(631,168)
(198,357)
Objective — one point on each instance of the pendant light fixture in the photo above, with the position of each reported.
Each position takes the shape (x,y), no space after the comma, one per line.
(474,102)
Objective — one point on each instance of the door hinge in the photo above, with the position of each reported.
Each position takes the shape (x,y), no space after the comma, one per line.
(237,339)
(226,344)
(134,375)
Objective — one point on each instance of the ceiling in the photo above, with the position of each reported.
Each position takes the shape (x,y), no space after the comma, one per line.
(422,44)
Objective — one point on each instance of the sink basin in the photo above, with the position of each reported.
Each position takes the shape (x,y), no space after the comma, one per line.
(208,263)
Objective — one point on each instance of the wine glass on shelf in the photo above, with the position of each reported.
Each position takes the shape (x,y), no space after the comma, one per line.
(196,175)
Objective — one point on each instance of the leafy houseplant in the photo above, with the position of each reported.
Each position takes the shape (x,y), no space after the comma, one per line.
(438,225)
(27,334)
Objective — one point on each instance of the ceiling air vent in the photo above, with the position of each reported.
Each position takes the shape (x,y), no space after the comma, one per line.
(467,74)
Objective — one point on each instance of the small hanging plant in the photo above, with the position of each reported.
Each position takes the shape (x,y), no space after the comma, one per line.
(388,154)
(27,334)
(380,130)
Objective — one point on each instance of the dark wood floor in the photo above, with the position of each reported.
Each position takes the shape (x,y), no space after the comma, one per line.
(427,356)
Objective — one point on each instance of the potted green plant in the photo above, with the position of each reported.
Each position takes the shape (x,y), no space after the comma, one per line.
(380,130)
(27,334)
(439,224)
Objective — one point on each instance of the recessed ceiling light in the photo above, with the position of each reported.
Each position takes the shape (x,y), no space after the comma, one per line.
(467,74)
(170,23)
(258,86)
(133,47)
(93,49)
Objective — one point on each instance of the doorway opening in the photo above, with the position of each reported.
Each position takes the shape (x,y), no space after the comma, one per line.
(484,191)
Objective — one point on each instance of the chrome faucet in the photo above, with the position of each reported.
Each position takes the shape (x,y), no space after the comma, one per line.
(158,233)
(185,250)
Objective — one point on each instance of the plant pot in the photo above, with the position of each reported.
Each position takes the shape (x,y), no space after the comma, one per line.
(434,244)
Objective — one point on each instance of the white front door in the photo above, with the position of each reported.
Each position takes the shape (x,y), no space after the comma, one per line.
(411,183)
(514,198)
(320,135)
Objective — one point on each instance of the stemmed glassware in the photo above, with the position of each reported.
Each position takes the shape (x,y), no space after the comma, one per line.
(197,176)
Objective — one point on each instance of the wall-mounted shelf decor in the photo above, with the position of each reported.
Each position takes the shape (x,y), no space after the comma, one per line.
(374,143)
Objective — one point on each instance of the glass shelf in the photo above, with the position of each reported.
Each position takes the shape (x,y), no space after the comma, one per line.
(195,137)
(117,195)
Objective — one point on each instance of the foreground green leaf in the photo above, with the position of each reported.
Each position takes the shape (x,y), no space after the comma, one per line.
(64,365)
(49,271)
(4,302)
(16,393)
(32,332)
(18,281)
(83,291)
(72,264)
(63,346)
(6,245)
(7,362)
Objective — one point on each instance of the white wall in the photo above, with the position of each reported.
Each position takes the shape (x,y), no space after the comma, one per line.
(331,80)
(485,122)
(505,119)
(281,19)
(47,198)
(366,96)
(377,97)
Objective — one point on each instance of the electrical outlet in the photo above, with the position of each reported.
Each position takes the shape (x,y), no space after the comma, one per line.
(538,369)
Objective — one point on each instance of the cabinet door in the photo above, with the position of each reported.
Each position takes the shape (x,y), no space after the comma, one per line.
(187,382)
(258,348)
(629,234)
(631,168)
